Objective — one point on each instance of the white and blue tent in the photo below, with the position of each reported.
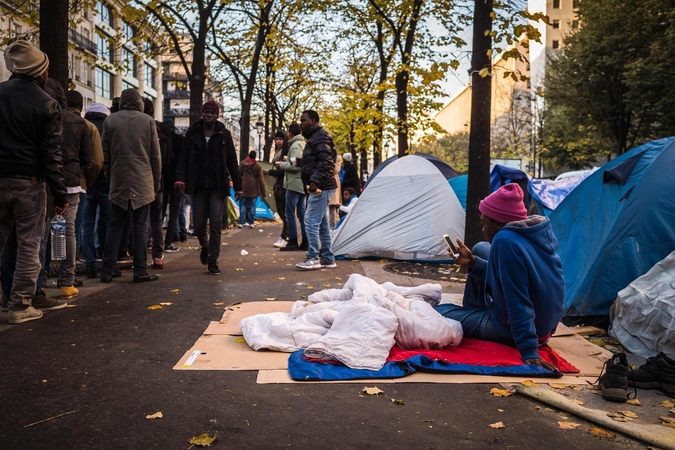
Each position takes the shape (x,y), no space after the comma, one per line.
(402,214)
(616,225)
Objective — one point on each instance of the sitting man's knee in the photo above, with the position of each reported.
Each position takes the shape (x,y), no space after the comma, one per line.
(481,249)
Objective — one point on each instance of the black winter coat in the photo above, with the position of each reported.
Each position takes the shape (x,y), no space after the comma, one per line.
(220,152)
(77,149)
(318,159)
(31,134)
(97,119)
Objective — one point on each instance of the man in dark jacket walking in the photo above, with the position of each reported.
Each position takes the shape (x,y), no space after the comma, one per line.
(318,174)
(31,136)
(207,162)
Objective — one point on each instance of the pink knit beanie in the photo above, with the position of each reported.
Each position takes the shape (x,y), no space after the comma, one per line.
(505,204)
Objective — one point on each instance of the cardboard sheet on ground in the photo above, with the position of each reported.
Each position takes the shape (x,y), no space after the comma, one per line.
(219,348)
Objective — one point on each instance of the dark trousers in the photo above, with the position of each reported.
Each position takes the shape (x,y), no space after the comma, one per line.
(280,200)
(156,225)
(95,198)
(139,225)
(174,202)
(207,205)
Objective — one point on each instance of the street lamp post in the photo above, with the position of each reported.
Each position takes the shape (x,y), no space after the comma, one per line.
(259,125)
(386,150)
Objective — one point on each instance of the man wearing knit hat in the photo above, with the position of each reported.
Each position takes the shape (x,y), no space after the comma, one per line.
(31,135)
(207,163)
(515,291)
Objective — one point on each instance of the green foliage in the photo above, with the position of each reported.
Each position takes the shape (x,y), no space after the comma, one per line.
(451,148)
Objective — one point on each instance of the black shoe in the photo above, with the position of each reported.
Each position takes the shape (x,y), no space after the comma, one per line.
(657,373)
(116,274)
(204,255)
(170,248)
(146,277)
(213,268)
(90,273)
(614,382)
(304,246)
(183,238)
(291,246)
(105,278)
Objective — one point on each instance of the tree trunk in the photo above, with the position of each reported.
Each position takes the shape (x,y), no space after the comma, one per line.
(197,78)
(54,38)
(479,137)
(402,112)
(245,127)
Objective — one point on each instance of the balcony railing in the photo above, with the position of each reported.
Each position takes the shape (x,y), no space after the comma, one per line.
(175,77)
(178,93)
(81,42)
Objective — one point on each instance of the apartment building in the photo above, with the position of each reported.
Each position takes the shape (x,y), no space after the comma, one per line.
(103,58)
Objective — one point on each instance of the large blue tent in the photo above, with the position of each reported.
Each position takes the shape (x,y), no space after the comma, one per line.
(616,225)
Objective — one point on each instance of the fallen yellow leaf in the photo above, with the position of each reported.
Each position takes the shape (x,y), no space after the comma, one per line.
(281,278)
(568,425)
(175,291)
(166,303)
(155,307)
(559,385)
(372,390)
(634,402)
(596,391)
(310,287)
(602,434)
(157,415)
(239,269)
(579,387)
(627,413)
(203,440)
(326,285)
(497,425)
(668,403)
(530,383)
(672,411)
(499,392)
(670,420)
(270,299)
(218,304)
(578,402)
(537,407)
(240,340)
(338,278)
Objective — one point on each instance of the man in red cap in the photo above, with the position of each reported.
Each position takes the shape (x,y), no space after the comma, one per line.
(207,163)
(515,292)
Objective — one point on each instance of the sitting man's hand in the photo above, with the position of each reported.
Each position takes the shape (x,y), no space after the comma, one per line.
(466,258)
(60,209)
(237,195)
(179,187)
(541,363)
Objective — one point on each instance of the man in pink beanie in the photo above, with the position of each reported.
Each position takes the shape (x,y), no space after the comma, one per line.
(515,292)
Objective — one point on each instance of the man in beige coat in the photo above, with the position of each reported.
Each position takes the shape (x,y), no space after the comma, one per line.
(132,166)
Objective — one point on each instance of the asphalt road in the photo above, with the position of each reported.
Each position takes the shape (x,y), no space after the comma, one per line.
(109,360)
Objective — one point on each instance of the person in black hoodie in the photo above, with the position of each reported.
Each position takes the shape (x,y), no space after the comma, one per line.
(95,198)
(280,154)
(207,162)
(318,174)
(170,197)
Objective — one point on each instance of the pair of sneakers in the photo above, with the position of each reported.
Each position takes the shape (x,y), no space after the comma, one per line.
(313,264)
(657,373)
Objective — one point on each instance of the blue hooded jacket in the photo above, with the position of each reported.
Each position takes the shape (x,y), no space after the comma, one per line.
(524,283)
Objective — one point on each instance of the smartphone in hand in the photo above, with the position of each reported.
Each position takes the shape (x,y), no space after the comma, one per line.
(452,246)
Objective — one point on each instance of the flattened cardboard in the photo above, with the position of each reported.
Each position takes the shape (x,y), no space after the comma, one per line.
(223,352)
(563,330)
(229,323)
(282,377)
(588,358)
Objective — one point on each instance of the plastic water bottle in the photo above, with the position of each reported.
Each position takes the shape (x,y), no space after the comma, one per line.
(58,235)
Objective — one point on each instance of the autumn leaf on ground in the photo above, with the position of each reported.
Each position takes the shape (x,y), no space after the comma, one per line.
(310,287)
(396,401)
(166,303)
(281,278)
(596,391)
(669,421)
(618,417)
(634,402)
(175,291)
(602,434)
(497,425)
(579,387)
(530,383)
(240,340)
(218,303)
(372,390)
(668,403)
(559,385)
(568,425)
(499,392)
(157,415)
(203,440)
(239,269)
(326,285)
(627,413)
(578,402)
(155,307)
(672,411)
(270,299)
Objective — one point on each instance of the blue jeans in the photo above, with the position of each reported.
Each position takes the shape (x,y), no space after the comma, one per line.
(247,210)
(473,315)
(183,220)
(316,226)
(66,273)
(139,224)
(96,197)
(295,200)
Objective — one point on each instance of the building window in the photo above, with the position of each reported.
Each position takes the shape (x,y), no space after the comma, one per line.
(127,31)
(129,60)
(149,75)
(104,13)
(556,24)
(555,44)
(104,83)
(103,49)
(575,24)
(556,4)
(126,85)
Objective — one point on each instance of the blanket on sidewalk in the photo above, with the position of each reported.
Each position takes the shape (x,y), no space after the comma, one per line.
(472,356)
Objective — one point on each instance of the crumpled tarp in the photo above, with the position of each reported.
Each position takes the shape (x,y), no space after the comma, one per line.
(356,325)
(643,315)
